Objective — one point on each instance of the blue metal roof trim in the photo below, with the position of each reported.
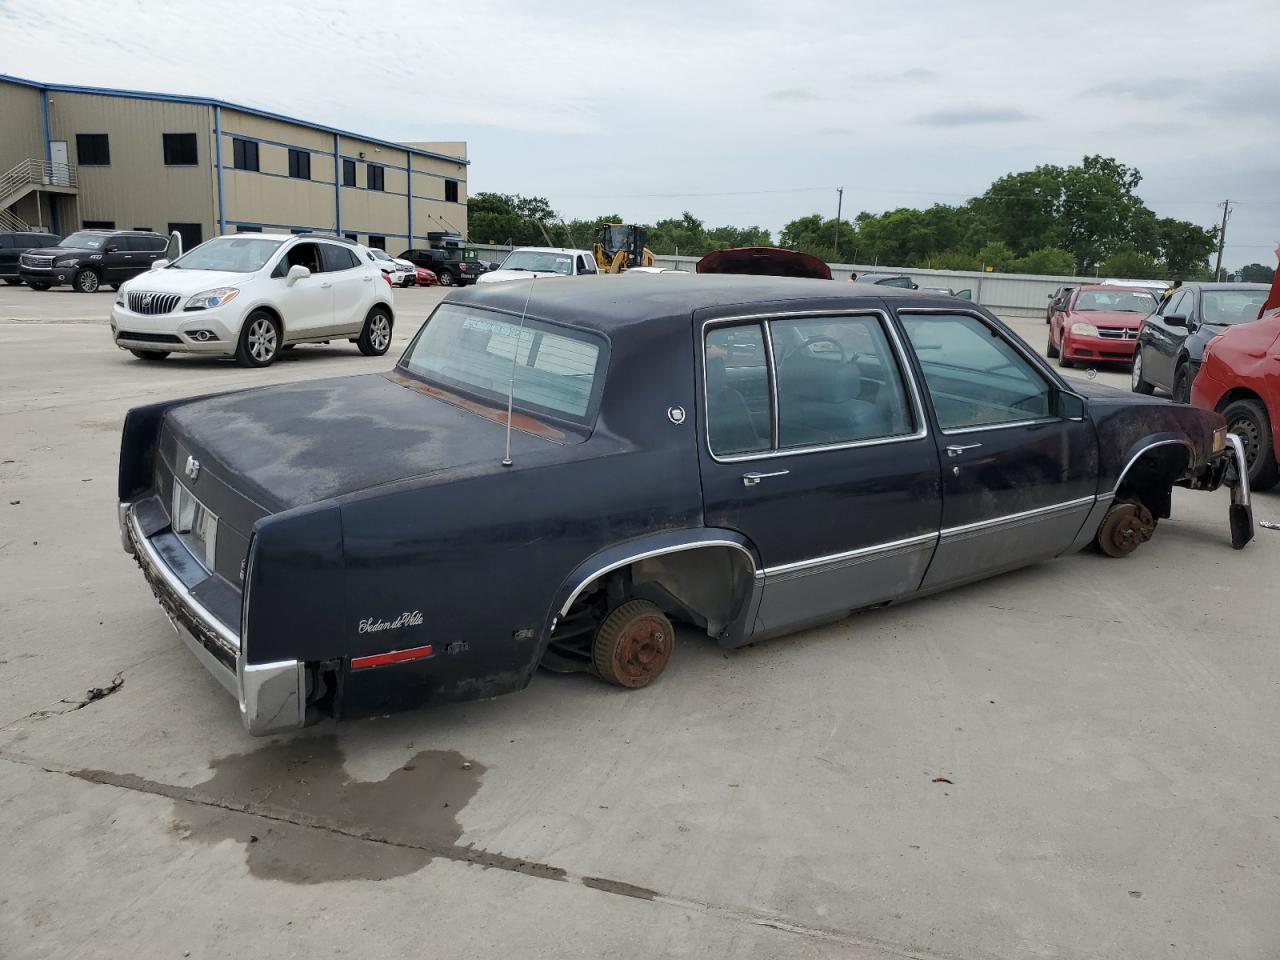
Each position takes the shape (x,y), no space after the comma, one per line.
(212,102)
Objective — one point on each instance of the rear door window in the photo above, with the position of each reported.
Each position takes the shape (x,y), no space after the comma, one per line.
(739,408)
(336,257)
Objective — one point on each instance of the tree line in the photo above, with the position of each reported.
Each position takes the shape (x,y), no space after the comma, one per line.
(1076,220)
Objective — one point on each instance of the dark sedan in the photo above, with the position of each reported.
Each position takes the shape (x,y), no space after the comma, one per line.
(555,472)
(1171,341)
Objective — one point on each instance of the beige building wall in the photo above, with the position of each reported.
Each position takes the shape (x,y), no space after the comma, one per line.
(137,189)
(21,130)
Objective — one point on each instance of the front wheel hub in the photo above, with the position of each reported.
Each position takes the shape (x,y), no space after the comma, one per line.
(1126,527)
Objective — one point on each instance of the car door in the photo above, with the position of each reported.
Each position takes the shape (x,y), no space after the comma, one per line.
(1018,479)
(1161,340)
(350,286)
(118,263)
(814,446)
(9,251)
(305,304)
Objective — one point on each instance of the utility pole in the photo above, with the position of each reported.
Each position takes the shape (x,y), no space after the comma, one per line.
(839,208)
(1222,239)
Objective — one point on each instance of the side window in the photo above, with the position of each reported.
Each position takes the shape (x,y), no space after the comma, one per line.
(737,384)
(304,254)
(337,258)
(1175,304)
(590,265)
(838,382)
(975,377)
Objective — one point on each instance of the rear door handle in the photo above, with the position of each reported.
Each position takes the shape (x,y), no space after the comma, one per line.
(325,286)
(752,479)
(368,279)
(955,449)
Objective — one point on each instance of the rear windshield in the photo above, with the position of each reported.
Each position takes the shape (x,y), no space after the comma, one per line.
(556,370)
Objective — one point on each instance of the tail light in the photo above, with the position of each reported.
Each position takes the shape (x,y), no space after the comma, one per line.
(387,277)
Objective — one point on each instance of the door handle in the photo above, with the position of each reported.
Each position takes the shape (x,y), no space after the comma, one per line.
(955,449)
(752,479)
(368,279)
(325,286)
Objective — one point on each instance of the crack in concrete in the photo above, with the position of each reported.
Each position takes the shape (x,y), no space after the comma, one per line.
(460,853)
(92,695)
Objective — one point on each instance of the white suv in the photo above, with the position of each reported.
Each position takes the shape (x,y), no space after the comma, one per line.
(251,295)
(402,272)
(525,262)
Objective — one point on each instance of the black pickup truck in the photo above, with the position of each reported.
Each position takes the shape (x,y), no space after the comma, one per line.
(554,483)
(454,267)
(14,245)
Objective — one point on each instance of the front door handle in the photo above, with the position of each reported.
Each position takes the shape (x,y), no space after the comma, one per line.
(751,479)
(955,449)
(325,286)
(368,279)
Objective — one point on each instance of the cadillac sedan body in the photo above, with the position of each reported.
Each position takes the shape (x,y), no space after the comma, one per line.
(554,472)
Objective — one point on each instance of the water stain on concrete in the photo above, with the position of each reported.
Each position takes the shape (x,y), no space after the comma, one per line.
(302,819)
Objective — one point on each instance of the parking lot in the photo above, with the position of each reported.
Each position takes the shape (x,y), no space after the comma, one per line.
(1074,760)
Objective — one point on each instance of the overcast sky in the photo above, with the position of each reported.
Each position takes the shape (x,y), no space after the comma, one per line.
(744,113)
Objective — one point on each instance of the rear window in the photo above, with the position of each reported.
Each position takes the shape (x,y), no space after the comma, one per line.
(556,370)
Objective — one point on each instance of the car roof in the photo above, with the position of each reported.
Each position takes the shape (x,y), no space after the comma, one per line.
(1111,288)
(608,305)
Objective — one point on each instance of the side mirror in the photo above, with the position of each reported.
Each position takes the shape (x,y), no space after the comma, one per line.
(1175,320)
(1071,406)
(111,248)
(296,272)
(159,264)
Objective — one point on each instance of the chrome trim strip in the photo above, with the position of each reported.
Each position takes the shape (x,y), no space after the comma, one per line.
(1240,493)
(862,553)
(226,679)
(1017,517)
(1003,426)
(197,609)
(122,519)
(1151,446)
(634,558)
(904,368)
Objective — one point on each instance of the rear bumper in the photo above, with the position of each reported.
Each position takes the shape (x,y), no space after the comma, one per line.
(272,696)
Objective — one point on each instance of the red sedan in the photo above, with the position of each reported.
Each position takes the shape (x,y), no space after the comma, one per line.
(427,278)
(1240,378)
(1098,324)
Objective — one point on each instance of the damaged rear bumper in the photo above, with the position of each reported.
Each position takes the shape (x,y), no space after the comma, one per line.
(1241,510)
(272,696)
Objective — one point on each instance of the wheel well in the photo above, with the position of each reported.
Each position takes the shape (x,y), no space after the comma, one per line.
(1234,394)
(272,311)
(391,314)
(1150,478)
(702,586)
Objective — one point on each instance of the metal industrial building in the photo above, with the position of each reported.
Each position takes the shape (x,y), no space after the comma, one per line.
(81,157)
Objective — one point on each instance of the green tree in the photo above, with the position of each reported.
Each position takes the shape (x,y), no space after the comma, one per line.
(509,218)
(1130,264)
(1257,273)
(722,237)
(954,260)
(1047,260)
(816,235)
(684,235)
(1024,210)
(996,255)
(1184,247)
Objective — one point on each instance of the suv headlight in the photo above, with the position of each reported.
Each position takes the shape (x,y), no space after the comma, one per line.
(1084,329)
(208,299)
(65,263)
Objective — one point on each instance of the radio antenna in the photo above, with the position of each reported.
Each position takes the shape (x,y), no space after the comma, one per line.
(511,381)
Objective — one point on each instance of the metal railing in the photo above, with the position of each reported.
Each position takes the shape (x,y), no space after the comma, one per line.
(30,174)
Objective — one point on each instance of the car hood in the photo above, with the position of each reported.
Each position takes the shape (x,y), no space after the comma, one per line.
(288,445)
(493,276)
(1107,318)
(185,282)
(764,261)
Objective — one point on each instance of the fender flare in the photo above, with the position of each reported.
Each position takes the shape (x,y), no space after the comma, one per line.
(1148,443)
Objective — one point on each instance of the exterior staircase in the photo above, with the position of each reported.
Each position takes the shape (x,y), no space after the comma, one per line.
(29,176)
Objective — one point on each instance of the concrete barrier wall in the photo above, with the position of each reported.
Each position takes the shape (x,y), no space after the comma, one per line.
(1008,294)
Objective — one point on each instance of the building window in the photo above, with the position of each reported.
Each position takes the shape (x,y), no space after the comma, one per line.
(300,230)
(97,224)
(141,229)
(244,154)
(451,191)
(93,150)
(352,237)
(374,177)
(348,173)
(379,243)
(300,164)
(180,149)
(192,234)
(243,229)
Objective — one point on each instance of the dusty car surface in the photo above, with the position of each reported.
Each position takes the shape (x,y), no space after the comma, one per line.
(557,484)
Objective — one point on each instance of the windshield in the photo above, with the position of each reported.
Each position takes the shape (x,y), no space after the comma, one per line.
(243,254)
(84,241)
(1119,301)
(542,261)
(1231,306)
(379,254)
(555,369)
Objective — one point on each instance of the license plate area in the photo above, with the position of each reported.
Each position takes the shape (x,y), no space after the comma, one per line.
(194,524)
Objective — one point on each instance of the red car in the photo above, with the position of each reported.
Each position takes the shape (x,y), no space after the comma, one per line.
(1240,378)
(427,278)
(1098,324)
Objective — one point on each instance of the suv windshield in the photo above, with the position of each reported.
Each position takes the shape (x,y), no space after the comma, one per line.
(540,261)
(1120,301)
(555,369)
(84,241)
(1231,306)
(231,254)
(379,254)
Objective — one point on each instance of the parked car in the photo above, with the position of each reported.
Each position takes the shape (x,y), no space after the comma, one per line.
(454,267)
(1171,342)
(250,295)
(1056,300)
(13,245)
(525,262)
(1098,324)
(425,277)
(90,259)
(558,483)
(888,280)
(401,272)
(965,294)
(1240,379)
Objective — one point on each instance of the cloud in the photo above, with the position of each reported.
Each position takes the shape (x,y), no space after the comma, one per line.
(1142,88)
(794,95)
(972,116)
(919,73)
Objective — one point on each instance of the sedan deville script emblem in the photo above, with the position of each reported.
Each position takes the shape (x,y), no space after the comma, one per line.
(377,625)
(192,469)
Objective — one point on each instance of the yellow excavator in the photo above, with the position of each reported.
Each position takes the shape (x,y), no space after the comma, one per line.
(620,246)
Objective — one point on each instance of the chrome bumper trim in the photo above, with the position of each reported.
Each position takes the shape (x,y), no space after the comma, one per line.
(122,518)
(1240,489)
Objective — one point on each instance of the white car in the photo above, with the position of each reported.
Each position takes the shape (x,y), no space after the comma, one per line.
(251,295)
(526,262)
(402,272)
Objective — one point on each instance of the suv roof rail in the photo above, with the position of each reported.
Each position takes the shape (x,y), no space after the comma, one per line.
(333,236)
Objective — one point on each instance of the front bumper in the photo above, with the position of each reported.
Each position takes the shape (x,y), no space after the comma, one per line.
(212,332)
(272,696)
(50,275)
(1103,349)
